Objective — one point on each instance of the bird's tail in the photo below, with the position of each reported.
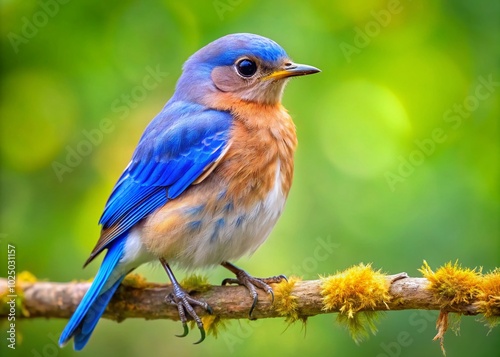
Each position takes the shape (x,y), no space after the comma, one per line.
(93,304)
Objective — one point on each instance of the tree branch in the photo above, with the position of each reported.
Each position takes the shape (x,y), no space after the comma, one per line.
(147,300)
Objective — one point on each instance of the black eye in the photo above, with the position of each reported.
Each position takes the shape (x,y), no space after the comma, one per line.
(246,67)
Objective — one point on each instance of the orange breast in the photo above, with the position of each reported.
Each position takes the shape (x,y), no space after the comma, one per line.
(232,211)
(263,137)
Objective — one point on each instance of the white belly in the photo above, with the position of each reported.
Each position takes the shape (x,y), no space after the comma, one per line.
(237,233)
(207,237)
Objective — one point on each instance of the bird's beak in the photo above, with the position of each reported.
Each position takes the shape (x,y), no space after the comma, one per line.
(291,69)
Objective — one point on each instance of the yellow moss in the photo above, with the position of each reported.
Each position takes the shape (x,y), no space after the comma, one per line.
(137,281)
(191,283)
(451,284)
(441,326)
(284,302)
(195,282)
(6,295)
(360,325)
(355,289)
(26,277)
(20,303)
(213,324)
(3,295)
(23,277)
(489,297)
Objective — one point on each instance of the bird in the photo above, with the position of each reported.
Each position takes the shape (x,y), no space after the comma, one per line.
(207,181)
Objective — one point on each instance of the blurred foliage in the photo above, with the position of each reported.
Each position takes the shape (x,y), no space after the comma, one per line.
(398,158)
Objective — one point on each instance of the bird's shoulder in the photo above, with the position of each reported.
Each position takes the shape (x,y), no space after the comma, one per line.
(177,148)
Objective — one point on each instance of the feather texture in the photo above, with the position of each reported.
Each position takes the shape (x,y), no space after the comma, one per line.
(209,177)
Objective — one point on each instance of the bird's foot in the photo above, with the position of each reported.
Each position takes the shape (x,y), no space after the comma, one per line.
(184,302)
(251,283)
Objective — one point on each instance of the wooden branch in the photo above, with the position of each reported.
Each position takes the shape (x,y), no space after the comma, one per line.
(59,300)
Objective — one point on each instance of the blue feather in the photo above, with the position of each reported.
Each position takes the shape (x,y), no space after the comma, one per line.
(93,304)
(172,153)
(176,147)
(224,51)
(83,337)
(179,144)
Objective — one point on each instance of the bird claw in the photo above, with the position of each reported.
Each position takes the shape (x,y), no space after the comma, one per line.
(185,304)
(251,283)
(202,337)
(186,330)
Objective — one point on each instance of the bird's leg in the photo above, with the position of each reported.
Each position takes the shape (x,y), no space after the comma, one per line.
(180,298)
(251,283)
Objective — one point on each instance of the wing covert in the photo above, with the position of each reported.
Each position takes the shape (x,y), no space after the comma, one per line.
(176,148)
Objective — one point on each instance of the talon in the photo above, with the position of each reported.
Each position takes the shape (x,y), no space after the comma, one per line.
(202,338)
(272,296)
(186,330)
(185,304)
(254,303)
(169,299)
(251,283)
(227,281)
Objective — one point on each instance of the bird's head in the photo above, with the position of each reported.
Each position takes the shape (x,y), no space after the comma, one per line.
(249,67)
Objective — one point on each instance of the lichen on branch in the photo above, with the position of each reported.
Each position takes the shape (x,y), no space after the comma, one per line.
(357,294)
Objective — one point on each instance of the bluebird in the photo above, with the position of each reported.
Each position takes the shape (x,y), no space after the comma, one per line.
(207,182)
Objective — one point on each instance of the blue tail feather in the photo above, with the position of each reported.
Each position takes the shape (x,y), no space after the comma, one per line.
(93,315)
(93,304)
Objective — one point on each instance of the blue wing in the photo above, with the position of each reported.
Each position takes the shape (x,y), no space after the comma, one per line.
(175,149)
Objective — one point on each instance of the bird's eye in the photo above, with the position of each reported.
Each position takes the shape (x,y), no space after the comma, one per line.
(246,67)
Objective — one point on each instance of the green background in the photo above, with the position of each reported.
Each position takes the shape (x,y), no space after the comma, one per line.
(398,157)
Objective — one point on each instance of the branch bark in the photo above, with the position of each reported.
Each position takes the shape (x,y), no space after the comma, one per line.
(59,300)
